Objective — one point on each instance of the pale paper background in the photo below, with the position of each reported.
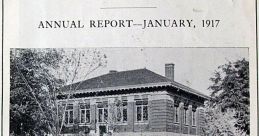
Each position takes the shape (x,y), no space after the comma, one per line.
(236,29)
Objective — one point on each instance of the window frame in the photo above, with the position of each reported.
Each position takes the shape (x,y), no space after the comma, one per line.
(104,107)
(85,109)
(176,114)
(185,116)
(125,107)
(194,121)
(68,116)
(141,106)
(104,118)
(121,108)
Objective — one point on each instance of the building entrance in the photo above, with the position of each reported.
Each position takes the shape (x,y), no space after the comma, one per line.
(102,130)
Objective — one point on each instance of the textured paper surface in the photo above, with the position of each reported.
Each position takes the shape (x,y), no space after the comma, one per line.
(236,29)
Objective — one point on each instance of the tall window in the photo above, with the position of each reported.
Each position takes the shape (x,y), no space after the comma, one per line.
(122,107)
(102,111)
(142,109)
(84,113)
(193,118)
(176,114)
(69,114)
(185,116)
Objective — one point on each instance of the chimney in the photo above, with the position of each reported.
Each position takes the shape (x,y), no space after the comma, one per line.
(169,71)
(112,71)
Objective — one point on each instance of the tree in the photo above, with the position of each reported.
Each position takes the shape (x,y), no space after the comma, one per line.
(30,90)
(76,66)
(36,76)
(220,123)
(230,92)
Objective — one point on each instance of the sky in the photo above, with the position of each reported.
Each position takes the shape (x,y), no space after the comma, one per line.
(193,66)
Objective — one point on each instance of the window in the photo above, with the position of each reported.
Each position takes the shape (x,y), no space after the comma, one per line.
(176,114)
(121,112)
(118,113)
(102,111)
(84,113)
(125,114)
(193,118)
(69,114)
(185,116)
(142,110)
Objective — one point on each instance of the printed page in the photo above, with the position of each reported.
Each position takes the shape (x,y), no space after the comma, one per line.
(129,67)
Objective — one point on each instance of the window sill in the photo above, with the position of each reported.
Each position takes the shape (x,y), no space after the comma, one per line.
(121,123)
(102,122)
(176,123)
(141,122)
(69,125)
(84,124)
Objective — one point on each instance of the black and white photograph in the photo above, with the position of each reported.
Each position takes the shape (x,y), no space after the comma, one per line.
(130,91)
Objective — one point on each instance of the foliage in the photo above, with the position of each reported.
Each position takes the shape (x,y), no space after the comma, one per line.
(230,92)
(220,123)
(35,78)
(34,66)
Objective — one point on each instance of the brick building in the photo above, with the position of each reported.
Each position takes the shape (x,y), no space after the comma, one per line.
(135,102)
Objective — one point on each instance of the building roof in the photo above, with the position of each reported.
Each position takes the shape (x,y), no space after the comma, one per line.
(126,79)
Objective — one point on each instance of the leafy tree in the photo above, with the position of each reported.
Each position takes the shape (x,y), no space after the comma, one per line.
(31,85)
(35,78)
(220,123)
(230,92)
